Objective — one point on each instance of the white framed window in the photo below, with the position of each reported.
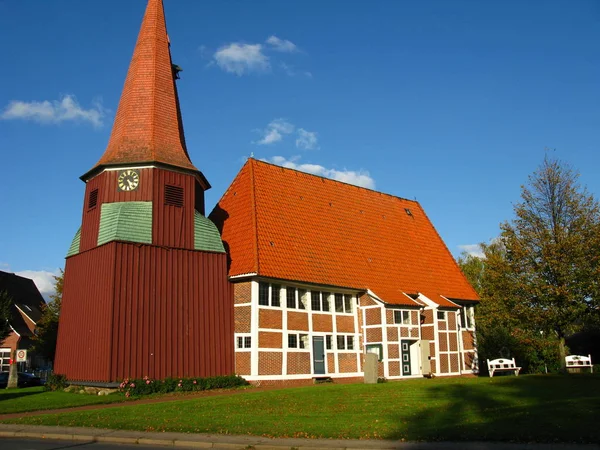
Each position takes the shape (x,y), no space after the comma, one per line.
(377,349)
(4,359)
(328,342)
(243,341)
(466,317)
(319,301)
(345,342)
(441,315)
(402,317)
(343,303)
(269,294)
(297,340)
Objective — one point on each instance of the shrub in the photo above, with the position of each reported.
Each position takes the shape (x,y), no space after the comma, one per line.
(145,386)
(56,382)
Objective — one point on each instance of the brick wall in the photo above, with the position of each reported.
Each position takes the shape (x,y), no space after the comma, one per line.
(414,332)
(298,363)
(451,320)
(242,292)
(454,362)
(394,368)
(365,300)
(345,324)
(392,334)
(347,362)
(330,363)
(393,351)
(374,335)
(469,357)
(297,321)
(443,342)
(270,318)
(468,340)
(453,341)
(241,316)
(444,363)
(268,339)
(322,323)
(427,333)
(373,316)
(269,363)
(242,363)
(11,341)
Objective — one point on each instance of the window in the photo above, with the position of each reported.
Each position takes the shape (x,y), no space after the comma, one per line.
(402,317)
(328,342)
(325,301)
(315,300)
(347,303)
(297,340)
(290,295)
(275,294)
(244,341)
(93,199)
(302,298)
(441,315)
(263,294)
(466,317)
(343,303)
(345,342)
(377,349)
(4,359)
(339,303)
(268,294)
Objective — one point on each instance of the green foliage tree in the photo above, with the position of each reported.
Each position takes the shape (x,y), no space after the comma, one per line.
(539,282)
(6,302)
(44,342)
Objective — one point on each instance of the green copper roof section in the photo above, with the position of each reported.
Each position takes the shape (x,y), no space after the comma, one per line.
(126,221)
(206,235)
(74,248)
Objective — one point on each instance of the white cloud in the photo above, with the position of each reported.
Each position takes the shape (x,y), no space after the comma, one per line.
(241,58)
(306,140)
(281,45)
(56,111)
(358,178)
(275,131)
(473,250)
(43,279)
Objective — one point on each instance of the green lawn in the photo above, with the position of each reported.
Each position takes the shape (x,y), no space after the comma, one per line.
(526,408)
(35,398)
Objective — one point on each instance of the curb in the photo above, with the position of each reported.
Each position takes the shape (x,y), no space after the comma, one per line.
(232,442)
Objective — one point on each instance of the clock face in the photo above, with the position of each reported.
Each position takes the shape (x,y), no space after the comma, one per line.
(128,180)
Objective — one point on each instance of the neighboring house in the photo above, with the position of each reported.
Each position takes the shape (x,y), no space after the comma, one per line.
(26,311)
(324,271)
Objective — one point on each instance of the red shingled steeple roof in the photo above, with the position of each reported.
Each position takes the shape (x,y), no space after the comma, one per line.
(289,225)
(148,126)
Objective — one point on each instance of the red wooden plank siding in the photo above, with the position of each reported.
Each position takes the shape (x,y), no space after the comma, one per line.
(83,350)
(172,311)
(173,226)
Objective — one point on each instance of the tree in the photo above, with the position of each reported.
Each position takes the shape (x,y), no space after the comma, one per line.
(44,342)
(550,272)
(6,302)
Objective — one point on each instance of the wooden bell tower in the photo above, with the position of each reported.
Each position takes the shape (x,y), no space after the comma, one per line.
(146,290)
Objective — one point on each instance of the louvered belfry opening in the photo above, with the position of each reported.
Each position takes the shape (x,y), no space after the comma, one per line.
(93,199)
(173,195)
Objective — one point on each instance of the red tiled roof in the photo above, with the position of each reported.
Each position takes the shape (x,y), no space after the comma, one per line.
(148,125)
(291,225)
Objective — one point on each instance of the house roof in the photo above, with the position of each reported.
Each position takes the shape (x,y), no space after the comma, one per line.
(26,297)
(148,127)
(290,225)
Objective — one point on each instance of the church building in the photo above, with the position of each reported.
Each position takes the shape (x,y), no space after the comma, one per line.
(292,277)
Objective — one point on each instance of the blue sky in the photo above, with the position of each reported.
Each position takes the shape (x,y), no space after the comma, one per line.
(449,102)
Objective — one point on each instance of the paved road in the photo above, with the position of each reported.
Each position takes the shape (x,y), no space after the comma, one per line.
(45,444)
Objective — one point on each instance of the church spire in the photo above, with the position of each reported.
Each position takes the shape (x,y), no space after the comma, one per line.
(148,126)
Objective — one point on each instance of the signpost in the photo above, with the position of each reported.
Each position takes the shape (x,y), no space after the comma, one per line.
(21,355)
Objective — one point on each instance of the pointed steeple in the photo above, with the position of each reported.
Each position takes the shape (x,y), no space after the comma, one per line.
(148,126)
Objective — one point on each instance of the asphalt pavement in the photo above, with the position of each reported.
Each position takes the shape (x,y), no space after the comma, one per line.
(34,437)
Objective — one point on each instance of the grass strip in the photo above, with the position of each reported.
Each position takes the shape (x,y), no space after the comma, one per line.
(527,409)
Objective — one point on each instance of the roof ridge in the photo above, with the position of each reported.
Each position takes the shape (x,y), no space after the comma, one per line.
(333,180)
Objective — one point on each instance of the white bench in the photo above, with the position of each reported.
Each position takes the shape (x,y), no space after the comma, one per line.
(579,362)
(502,365)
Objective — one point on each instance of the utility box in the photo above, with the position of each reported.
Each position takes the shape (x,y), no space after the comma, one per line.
(370,367)
(425,358)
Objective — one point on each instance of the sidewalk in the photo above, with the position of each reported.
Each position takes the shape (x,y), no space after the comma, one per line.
(227,442)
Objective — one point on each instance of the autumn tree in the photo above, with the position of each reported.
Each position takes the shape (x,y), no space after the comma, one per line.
(6,302)
(550,271)
(44,342)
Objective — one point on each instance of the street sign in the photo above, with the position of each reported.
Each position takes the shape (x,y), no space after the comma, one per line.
(21,355)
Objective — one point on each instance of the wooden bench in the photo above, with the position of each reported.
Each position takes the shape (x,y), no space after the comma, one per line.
(502,365)
(579,362)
